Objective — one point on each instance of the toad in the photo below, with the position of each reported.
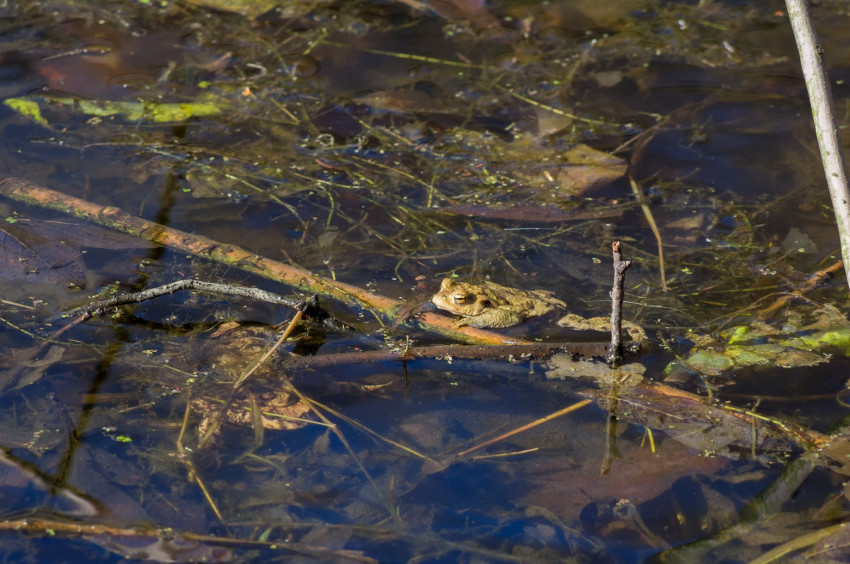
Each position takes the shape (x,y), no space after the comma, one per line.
(487,304)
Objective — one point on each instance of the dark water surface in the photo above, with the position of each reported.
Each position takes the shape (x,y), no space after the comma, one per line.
(389,148)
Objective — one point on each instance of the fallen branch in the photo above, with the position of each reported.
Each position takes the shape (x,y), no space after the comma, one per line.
(310,308)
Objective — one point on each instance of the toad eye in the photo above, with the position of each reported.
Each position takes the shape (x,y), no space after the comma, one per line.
(459,299)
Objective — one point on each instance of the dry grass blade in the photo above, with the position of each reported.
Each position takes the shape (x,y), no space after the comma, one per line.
(526,427)
(366,429)
(316,408)
(650,219)
(193,474)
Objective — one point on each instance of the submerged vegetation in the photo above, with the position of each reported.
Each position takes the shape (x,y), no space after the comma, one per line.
(365,152)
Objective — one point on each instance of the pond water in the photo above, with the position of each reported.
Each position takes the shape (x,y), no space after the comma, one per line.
(365,152)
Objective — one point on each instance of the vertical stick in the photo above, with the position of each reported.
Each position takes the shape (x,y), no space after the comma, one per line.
(615,351)
(820,98)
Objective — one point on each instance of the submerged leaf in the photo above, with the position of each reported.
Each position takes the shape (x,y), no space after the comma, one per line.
(27,108)
(588,168)
(131,111)
(763,345)
(573,172)
(839,338)
(135,111)
(32,256)
(82,234)
(709,362)
(49,251)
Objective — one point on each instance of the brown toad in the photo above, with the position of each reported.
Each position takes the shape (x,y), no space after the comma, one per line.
(487,304)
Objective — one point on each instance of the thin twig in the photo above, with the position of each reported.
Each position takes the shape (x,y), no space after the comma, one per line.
(311,309)
(98,307)
(513,352)
(180,544)
(16,304)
